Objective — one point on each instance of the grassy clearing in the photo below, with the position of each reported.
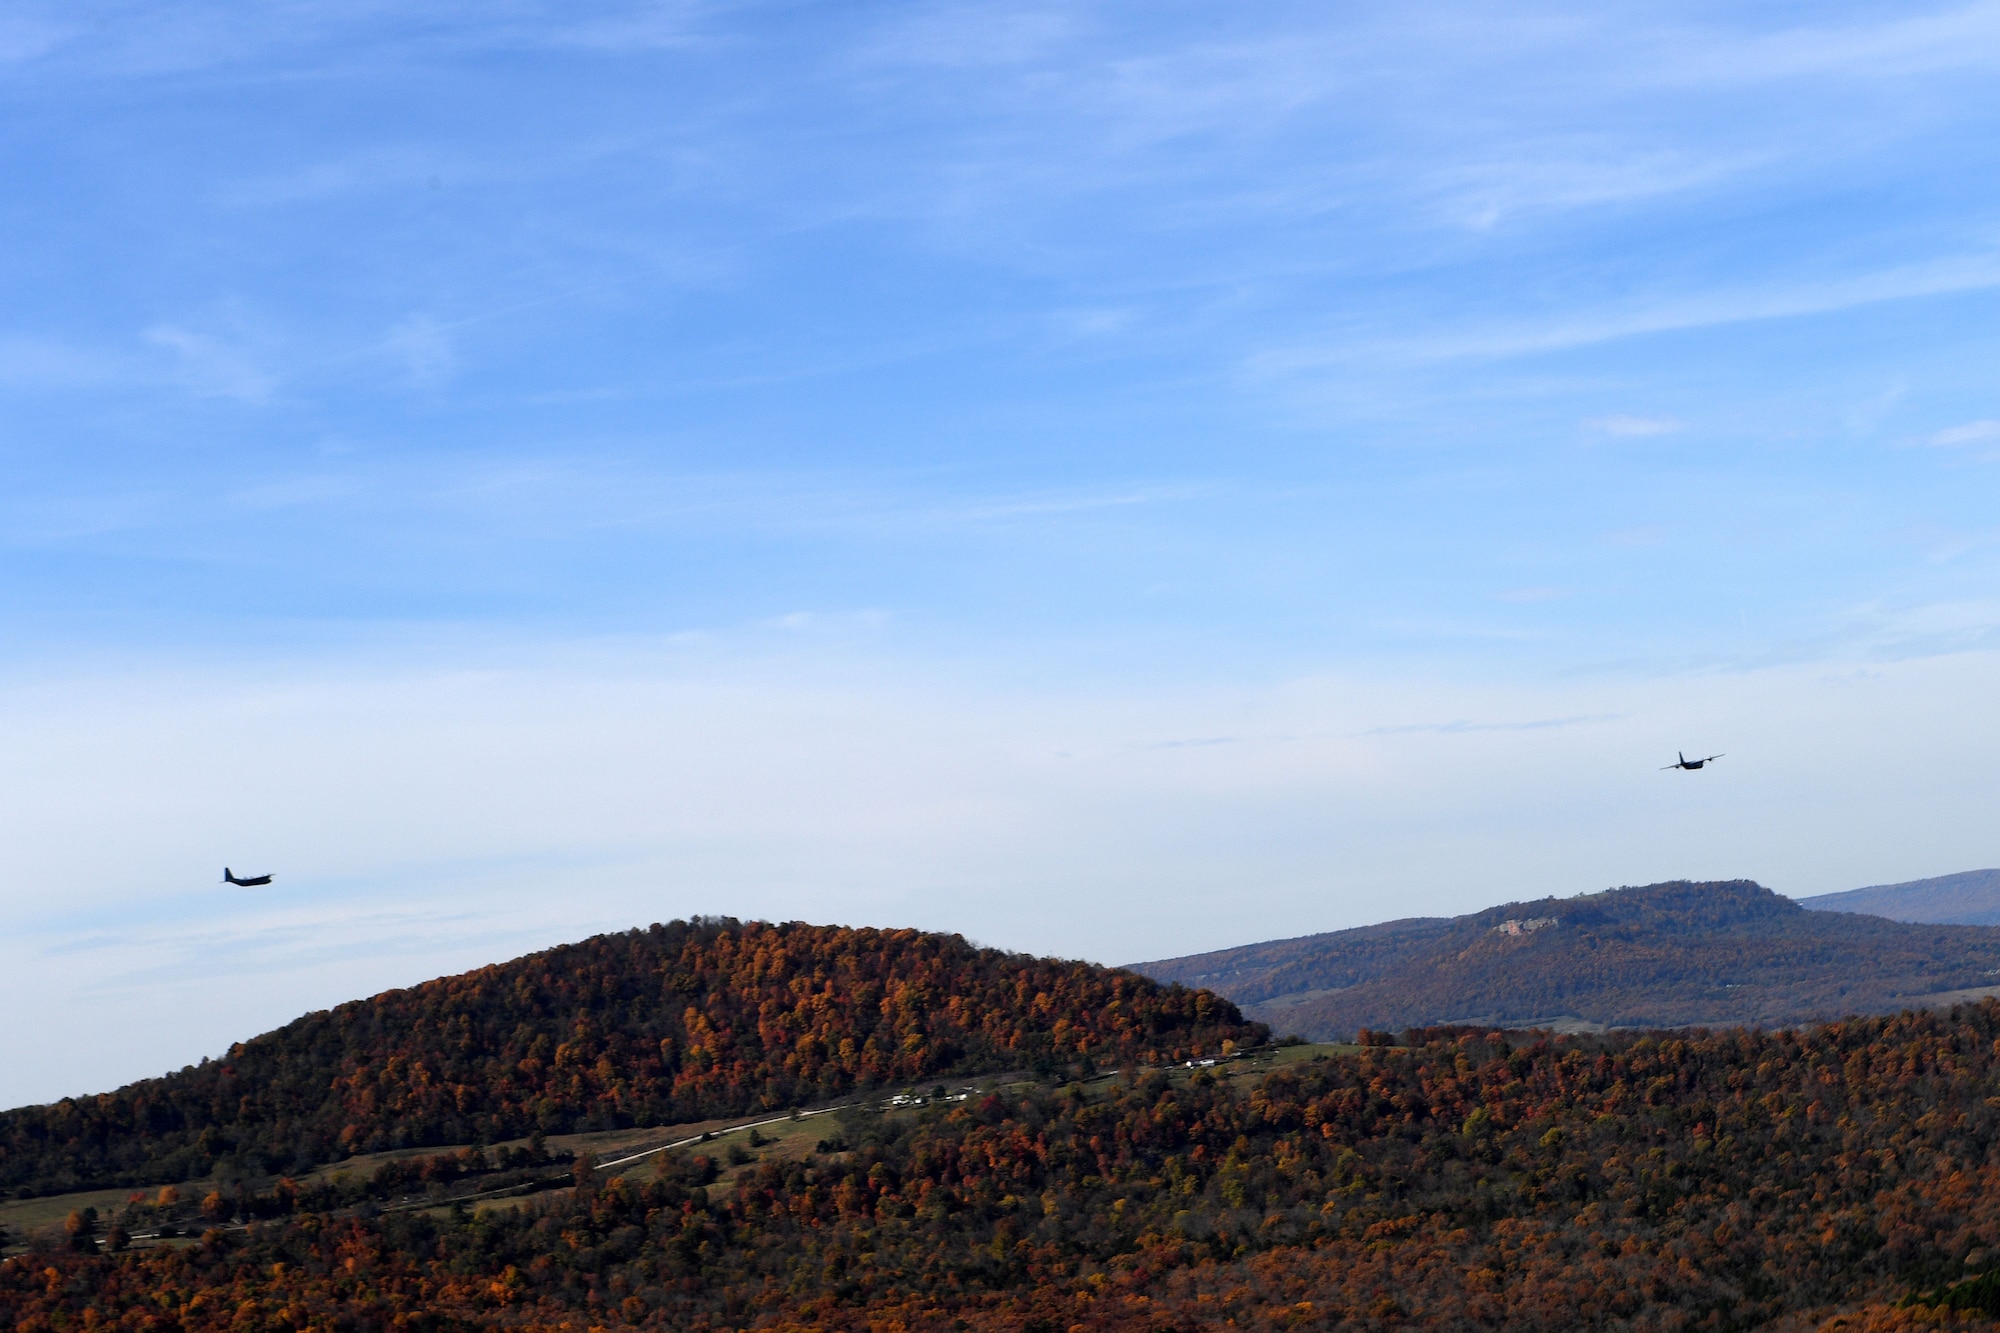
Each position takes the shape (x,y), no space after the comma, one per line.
(781,1137)
(22,1217)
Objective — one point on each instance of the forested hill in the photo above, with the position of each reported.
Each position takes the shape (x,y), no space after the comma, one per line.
(1843,1179)
(1666,955)
(673,1023)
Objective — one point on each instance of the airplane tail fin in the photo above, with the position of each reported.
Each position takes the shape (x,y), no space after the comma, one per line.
(227,874)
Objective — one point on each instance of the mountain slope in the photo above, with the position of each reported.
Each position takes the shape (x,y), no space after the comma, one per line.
(1329,961)
(675,1023)
(1968,899)
(1666,955)
(1725,1181)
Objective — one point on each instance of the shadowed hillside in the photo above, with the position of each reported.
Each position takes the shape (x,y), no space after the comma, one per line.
(1968,899)
(674,1023)
(1667,955)
(1307,964)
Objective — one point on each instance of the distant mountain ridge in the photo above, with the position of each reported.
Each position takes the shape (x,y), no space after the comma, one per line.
(1971,898)
(1663,955)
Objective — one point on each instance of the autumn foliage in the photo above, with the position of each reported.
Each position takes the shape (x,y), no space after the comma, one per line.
(1845,1178)
(673,1023)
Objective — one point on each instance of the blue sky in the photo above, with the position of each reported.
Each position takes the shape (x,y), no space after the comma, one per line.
(1109,480)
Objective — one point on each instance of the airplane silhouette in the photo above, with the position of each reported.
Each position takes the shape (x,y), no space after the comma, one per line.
(247,881)
(1689,764)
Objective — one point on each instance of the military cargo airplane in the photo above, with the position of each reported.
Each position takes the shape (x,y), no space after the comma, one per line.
(1690,764)
(246,881)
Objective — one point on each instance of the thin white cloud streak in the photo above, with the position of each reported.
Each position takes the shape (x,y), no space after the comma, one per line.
(198,362)
(1158,86)
(1561,174)
(1682,313)
(557,496)
(1631,426)
(210,367)
(25,36)
(1972,432)
(421,821)
(1955,38)
(272,38)
(1320,51)
(647,27)
(1089,111)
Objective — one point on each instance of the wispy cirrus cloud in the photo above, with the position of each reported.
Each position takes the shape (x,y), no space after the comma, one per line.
(425,347)
(1632,427)
(1971,432)
(1668,313)
(1466,726)
(1900,45)
(1558,175)
(25,35)
(211,366)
